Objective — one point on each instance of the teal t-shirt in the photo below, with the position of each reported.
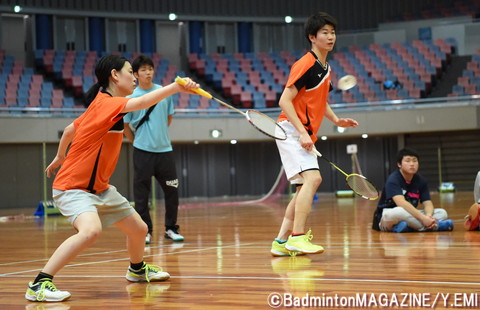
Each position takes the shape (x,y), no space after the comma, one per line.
(152,136)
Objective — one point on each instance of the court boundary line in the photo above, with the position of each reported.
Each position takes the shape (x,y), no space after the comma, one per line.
(272,278)
(127,259)
(254,244)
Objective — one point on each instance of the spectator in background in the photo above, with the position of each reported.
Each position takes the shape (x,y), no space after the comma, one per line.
(153,152)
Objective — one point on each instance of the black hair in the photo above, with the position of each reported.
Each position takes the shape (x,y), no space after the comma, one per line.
(316,22)
(406,152)
(103,71)
(141,60)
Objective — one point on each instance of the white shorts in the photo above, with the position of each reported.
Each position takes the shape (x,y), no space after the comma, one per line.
(110,205)
(295,158)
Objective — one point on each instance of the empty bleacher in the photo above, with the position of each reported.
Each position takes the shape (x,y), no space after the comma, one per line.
(256,80)
(250,80)
(75,70)
(21,87)
(247,80)
(469,82)
(415,65)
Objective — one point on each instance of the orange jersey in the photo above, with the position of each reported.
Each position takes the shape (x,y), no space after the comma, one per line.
(312,81)
(95,148)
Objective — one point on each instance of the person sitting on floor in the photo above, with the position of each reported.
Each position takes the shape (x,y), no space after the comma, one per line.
(404,190)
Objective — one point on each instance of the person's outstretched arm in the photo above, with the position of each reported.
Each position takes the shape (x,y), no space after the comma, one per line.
(65,141)
(151,98)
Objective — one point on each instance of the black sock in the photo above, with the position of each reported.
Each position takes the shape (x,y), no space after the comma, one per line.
(137,266)
(41,276)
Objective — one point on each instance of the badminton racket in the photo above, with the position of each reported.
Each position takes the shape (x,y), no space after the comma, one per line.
(258,120)
(359,184)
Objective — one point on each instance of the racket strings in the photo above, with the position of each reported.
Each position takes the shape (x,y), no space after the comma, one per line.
(266,125)
(360,185)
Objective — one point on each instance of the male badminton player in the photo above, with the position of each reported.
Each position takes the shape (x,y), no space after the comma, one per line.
(304,105)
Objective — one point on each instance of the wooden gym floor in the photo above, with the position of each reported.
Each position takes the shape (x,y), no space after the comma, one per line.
(225,263)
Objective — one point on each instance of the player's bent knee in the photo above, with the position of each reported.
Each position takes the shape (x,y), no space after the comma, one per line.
(141,227)
(91,234)
(315,181)
(386,217)
(441,214)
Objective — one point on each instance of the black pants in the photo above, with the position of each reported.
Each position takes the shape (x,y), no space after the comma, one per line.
(162,167)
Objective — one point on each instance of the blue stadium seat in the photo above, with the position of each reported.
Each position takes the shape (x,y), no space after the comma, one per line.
(68,102)
(458,89)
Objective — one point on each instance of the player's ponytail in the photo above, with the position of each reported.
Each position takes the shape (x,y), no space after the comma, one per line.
(103,71)
(92,93)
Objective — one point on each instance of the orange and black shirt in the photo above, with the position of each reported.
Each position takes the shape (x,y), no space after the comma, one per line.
(95,148)
(312,81)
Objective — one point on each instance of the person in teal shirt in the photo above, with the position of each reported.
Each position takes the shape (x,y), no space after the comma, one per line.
(152,151)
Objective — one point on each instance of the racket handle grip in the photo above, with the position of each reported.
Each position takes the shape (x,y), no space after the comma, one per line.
(316,152)
(199,91)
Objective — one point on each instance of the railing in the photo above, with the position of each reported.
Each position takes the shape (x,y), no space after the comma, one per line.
(205,113)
